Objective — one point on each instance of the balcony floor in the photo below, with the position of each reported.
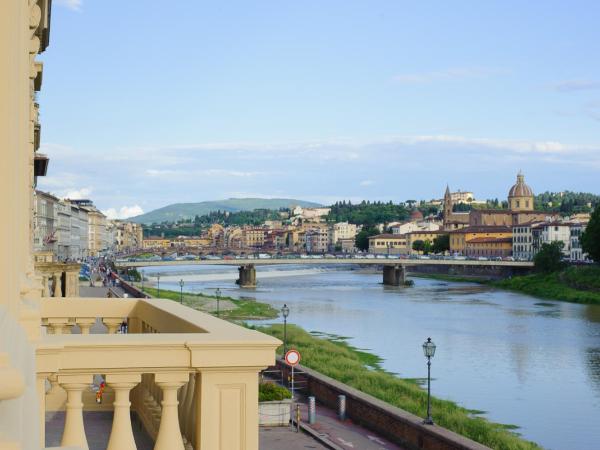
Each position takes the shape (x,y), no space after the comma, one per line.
(98,425)
(97,429)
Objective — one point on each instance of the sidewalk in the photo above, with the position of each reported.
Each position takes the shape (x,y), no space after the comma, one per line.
(343,434)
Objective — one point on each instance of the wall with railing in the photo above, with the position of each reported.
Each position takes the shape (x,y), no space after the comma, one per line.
(192,379)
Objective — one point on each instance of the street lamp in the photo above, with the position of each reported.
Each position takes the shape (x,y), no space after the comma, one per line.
(218,294)
(142,274)
(428,351)
(181,283)
(285,312)
(158,282)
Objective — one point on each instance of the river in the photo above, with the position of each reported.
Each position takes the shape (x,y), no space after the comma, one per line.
(524,361)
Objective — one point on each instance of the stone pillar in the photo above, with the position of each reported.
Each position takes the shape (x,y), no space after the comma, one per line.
(45,287)
(85,324)
(41,392)
(74,432)
(58,285)
(58,325)
(247,276)
(112,324)
(169,432)
(393,275)
(226,412)
(121,434)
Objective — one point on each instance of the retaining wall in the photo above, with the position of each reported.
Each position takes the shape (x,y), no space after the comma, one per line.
(390,422)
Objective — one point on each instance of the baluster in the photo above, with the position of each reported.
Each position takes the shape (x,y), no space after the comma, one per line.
(74,431)
(112,324)
(121,434)
(169,433)
(85,324)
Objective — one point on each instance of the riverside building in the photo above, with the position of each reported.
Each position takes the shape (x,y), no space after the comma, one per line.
(189,378)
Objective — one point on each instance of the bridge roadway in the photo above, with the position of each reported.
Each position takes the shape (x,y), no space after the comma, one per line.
(394,270)
(328,261)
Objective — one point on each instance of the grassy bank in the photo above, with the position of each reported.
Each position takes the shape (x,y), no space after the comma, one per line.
(574,284)
(229,308)
(335,358)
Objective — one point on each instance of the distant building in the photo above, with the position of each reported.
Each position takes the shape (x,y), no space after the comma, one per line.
(459,239)
(422,235)
(124,236)
(45,223)
(388,244)
(317,240)
(577,253)
(341,231)
(489,247)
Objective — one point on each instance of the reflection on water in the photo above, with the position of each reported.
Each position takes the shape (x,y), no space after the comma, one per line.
(527,362)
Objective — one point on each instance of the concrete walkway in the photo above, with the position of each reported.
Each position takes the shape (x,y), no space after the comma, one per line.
(344,434)
(99,424)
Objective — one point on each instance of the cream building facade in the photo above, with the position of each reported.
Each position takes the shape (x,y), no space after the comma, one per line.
(191,378)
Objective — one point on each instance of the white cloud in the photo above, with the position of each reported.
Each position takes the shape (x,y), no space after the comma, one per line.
(78,194)
(367,183)
(447,74)
(73,5)
(124,212)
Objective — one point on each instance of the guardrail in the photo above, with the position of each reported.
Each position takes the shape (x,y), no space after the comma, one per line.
(175,364)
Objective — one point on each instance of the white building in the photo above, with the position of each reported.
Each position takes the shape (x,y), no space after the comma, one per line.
(548,232)
(45,222)
(409,227)
(341,231)
(577,254)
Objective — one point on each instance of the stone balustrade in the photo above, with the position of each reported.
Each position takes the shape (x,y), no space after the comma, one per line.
(191,378)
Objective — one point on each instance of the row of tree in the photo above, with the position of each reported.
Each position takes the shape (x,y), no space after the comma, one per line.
(367,213)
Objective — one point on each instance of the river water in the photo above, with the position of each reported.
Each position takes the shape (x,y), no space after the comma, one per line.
(524,361)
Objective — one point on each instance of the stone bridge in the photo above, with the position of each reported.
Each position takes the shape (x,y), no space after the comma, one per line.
(394,270)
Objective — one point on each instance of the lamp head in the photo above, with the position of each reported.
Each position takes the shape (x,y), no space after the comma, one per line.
(285,311)
(429,348)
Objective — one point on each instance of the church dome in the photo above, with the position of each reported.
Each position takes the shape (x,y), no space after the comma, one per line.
(520,189)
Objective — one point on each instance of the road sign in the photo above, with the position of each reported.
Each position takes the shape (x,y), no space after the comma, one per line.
(292,357)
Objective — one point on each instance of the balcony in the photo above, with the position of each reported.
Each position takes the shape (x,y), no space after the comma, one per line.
(191,379)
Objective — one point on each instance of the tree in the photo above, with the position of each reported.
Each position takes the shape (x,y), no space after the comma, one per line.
(441,243)
(427,247)
(549,258)
(362,238)
(418,245)
(590,239)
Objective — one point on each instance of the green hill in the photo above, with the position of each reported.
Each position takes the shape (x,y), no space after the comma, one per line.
(177,211)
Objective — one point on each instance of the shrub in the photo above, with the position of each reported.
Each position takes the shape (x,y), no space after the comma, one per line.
(268,392)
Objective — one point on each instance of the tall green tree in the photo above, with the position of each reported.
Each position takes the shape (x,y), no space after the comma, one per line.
(549,258)
(590,239)
(441,243)
(362,237)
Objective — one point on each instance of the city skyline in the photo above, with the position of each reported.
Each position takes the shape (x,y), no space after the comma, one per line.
(367,106)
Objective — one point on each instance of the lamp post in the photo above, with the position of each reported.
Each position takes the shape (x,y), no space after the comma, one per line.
(428,351)
(285,312)
(218,294)
(158,282)
(181,283)
(142,274)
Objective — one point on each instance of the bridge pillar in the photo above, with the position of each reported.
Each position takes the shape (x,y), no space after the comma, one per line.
(394,275)
(247,276)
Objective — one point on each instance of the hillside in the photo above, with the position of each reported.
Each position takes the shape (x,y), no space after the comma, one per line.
(178,211)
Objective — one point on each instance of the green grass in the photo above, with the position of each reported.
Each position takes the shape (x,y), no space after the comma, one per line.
(334,357)
(244,309)
(268,392)
(574,284)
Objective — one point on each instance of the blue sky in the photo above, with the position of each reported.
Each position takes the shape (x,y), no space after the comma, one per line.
(150,103)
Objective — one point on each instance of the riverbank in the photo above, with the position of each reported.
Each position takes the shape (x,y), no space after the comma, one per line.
(228,308)
(575,284)
(334,357)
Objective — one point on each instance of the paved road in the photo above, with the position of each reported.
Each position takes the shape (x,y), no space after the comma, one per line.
(329,261)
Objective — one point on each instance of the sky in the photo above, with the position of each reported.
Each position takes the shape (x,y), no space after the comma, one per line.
(147,103)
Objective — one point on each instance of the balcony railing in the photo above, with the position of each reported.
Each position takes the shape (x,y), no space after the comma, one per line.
(191,378)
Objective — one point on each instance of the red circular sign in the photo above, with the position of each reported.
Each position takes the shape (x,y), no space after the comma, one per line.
(292,357)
